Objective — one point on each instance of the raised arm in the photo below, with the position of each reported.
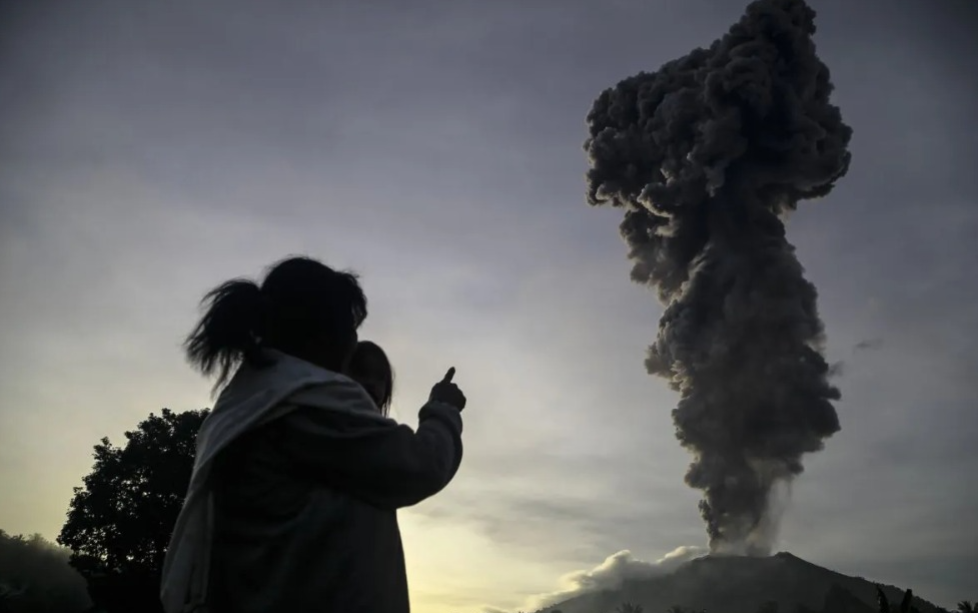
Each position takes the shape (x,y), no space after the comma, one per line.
(372,458)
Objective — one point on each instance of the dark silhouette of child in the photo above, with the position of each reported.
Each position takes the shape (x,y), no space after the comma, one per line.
(370,367)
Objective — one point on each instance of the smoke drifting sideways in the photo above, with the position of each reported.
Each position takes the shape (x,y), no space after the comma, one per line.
(707,156)
(612,573)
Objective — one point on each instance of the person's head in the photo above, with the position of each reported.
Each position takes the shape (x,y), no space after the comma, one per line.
(302,307)
(370,368)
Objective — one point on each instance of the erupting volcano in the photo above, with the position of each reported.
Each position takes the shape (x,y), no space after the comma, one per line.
(706,156)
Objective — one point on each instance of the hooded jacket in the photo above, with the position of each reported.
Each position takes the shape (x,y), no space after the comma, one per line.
(293,498)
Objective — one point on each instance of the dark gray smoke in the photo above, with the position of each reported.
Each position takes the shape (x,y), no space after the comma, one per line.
(707,156)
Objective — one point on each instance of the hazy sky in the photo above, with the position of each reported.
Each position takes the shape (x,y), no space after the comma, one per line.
(150,150)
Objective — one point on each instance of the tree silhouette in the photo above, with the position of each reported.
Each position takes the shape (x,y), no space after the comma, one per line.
(906,605)
(119,524)
(966,606)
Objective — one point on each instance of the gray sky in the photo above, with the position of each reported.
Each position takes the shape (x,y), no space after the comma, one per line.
(149,151)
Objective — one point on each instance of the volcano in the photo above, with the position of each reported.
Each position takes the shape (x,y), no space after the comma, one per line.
(735,584)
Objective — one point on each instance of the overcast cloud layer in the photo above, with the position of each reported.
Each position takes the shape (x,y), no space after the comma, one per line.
(151,150)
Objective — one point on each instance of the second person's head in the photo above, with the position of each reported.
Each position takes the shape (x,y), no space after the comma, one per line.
(371,368)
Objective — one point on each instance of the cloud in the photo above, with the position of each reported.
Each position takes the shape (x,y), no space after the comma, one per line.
(613,572)
(872,343)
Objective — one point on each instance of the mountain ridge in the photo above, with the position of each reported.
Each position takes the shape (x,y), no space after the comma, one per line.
(736,584)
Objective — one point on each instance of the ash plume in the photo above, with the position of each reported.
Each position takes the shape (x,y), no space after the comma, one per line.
(707,156)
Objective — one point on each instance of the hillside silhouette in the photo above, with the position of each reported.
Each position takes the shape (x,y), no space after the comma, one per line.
(735,584)
(35,577)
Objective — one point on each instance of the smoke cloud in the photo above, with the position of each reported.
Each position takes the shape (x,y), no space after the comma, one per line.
(613,572)
(707,156)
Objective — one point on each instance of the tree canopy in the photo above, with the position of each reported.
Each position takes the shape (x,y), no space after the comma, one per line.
(121,520)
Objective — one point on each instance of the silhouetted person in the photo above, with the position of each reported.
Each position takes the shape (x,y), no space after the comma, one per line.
(298,475)
(371,368)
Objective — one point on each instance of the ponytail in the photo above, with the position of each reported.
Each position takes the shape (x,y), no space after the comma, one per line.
(229,331)
(303,308)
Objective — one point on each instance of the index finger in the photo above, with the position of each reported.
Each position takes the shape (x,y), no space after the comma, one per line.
(449,375)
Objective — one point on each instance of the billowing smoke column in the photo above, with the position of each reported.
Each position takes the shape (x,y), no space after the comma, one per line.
(706,156)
